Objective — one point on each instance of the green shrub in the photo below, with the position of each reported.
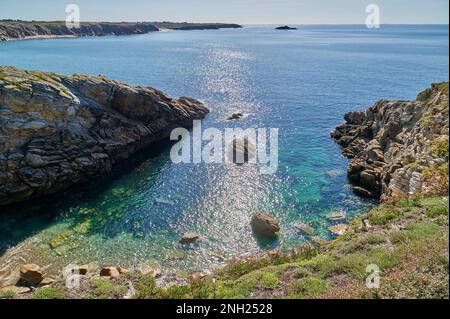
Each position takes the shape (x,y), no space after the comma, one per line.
(105,289)
(7,294)
(308,287)
(436,211)
(441,148)
(385,217)
(374,239)
(49,293)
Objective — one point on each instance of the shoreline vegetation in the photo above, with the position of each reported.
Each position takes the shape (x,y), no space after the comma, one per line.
(25,30)
(402,144)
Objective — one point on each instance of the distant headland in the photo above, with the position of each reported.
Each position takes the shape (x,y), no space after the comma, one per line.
(18,29)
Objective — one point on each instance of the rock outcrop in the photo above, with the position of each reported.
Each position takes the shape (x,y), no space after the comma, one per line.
(24,29)
(10,30)
(398,148)
(285,27)
(57,131)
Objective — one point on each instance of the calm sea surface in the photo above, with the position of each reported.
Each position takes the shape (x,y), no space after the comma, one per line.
(301,82)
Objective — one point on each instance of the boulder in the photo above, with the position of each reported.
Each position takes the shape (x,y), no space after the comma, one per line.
(8,276)
(195,276)
(123,270)
(305,229)
(30,275)
(337,216)
(109,272)
(150,270)
(361,191)
(338,230)
(189,238)
(47,281)
(235,116)
(264,224)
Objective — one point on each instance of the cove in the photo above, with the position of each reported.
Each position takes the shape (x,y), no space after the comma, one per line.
(296,82)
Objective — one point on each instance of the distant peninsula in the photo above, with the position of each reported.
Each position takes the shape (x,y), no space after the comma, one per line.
(18,29)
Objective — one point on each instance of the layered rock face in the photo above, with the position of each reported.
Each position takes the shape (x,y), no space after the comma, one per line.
(398,148)
(57,131)
(25,29)
(19,30)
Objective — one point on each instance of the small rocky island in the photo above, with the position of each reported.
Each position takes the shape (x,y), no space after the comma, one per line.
(398,148)
(285,27)
(57,131)
(17,29)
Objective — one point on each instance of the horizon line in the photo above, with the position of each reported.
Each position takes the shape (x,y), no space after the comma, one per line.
(240,23)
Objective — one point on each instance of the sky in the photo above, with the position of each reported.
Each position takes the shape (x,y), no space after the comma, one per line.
(235,11)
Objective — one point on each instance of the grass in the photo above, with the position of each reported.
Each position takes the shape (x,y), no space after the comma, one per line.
(433,212)
(49,293)
(8,294)
(105,289)
(441,148)
(309,287)
(385,217)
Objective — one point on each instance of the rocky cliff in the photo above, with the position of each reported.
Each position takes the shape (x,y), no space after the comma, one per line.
(398,148)
(10,30)
(23,29)
(57,131)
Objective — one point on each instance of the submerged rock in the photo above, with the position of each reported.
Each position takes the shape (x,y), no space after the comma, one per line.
(189,238)
(264,224)
(305,229)
(337,216)
(57,131)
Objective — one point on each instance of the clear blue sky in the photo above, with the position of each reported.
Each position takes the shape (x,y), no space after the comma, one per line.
(239,11)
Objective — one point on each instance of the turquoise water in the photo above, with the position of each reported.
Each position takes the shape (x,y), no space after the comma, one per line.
(301,82)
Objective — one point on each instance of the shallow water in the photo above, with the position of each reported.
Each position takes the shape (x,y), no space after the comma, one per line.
(301,82)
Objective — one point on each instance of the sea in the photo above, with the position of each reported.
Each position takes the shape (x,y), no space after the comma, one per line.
(300,82)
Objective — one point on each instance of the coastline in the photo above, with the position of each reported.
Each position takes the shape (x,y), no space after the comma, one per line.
(25,30)
(387,236)
(41,37)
